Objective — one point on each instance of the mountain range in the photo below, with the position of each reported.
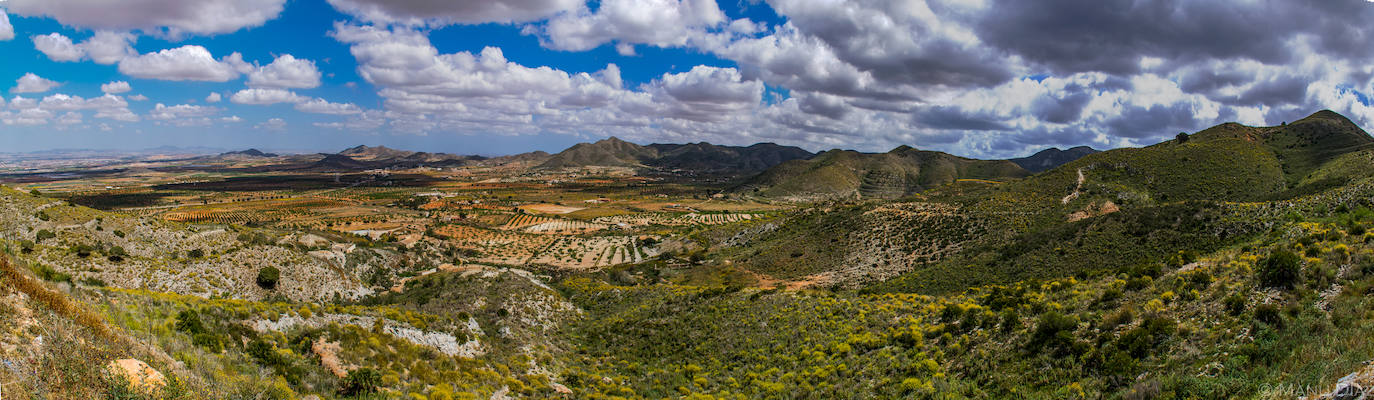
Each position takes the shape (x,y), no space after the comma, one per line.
(834,173)
(1050,158)
(900,172)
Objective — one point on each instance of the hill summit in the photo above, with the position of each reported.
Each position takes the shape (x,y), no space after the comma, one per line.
(698,157)
(902,171)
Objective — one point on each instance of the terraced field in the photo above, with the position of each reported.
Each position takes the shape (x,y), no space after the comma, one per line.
(678,220)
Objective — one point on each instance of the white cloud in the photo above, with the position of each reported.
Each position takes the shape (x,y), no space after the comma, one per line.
(273,125)
(322,106)
(116,87)
(104,47)
(261,97)
(30,83)
(444,12)
(662,23)
(68,119)
(138,97)
(185,63)
(6,30)
(180,111)
(213,98)
(366,121)
(107,106)
(58,47)
(174,18)
(706,93)
(31,116)
(286,72)
(231,119)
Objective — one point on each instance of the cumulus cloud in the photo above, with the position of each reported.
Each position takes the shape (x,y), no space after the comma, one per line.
(213,98)
(442,12)
(107,106)
(286,72)
(138,97)
(57,47)
(262,97)
(706,93)
(322,106)
(116,87)
(104,47)
(6,30)
(173,18)
(185,63)
(272,125)
(662,23)
(30,83)
(180,111)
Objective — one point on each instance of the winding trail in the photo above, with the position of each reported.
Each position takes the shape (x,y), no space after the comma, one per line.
(1074,195)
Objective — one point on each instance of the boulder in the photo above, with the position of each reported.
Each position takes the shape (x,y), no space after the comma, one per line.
(138,373)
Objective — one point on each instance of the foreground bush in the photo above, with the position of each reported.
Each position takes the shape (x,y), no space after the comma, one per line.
(1279,270)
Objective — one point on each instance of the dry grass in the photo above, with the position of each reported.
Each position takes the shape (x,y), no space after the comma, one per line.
(54,300)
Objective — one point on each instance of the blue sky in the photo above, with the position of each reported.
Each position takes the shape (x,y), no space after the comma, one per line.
(976,78)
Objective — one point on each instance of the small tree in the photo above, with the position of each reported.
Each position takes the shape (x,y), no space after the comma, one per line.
(1182,137)
(361,381)
(268,277)
(1279,270)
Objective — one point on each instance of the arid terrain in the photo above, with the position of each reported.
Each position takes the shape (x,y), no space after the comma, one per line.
(593,274)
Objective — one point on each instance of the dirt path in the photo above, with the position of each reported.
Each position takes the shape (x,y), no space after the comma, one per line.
(1074,195)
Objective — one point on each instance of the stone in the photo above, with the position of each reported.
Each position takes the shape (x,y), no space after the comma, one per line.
(138,373)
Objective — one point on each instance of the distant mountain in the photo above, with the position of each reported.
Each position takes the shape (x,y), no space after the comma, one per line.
(339,162)
(611,152)
(1050,158)
(706,157)
(698,157)
(384,157)
(523,159)
(900,172)
(366,153)
(249,153)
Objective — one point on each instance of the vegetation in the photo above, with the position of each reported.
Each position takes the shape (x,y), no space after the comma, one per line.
(268,277)
(1235,262)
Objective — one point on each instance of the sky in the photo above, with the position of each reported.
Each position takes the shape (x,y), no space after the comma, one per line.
(976,78)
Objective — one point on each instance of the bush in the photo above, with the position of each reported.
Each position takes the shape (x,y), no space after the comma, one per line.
(197,253)
(189,321)
(1053,330)
(361,381)
(1269,314)
(1279,270)
(44,234)
(1235,304)
(268,277)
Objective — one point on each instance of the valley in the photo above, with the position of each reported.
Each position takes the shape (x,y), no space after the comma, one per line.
(1233,262)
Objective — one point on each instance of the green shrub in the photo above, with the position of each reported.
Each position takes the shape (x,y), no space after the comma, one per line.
(268,277)
(361,381)
(1279,270)
(48,274)
(44,234)
(189,321)
(1235,303)
(1269,314)
(196,253)
(1053,331)
(1010,320)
